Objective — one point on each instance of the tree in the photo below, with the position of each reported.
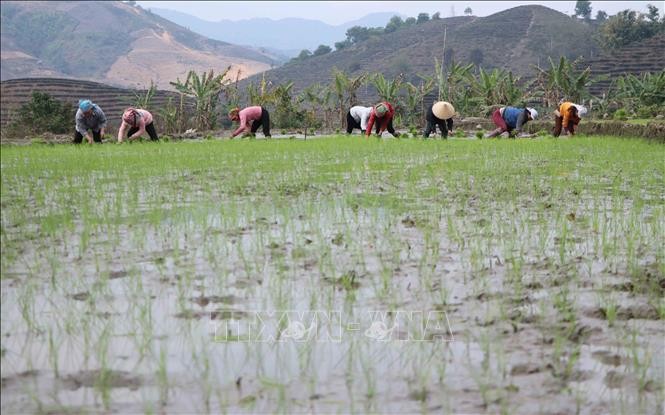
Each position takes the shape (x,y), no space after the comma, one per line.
(626,27)
(468,11)
(44,113)
(341,45)
(436,16)
(357,34)
(422,18)
(304,54)
(322,50)
(653,13)
(583,9)
(395,23)
(601,16)
(410,21)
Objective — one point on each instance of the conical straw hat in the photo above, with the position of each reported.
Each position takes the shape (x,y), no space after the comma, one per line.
(443,110)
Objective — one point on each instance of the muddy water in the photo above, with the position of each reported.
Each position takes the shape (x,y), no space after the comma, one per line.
(385,312)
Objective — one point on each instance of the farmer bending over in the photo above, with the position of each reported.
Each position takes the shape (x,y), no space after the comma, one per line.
(382,113)
(138,122)
(567,117)
(357,117)
(89,117)
(511,119)
(439,114)
(259,116)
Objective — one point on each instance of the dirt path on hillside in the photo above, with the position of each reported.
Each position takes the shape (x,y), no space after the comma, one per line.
(522,43)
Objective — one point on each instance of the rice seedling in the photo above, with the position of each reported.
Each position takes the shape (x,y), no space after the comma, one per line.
(520,242)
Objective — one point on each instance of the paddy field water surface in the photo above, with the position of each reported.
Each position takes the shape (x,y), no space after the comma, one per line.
(334,275)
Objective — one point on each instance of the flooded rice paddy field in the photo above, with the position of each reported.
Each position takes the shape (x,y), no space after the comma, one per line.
(337,275)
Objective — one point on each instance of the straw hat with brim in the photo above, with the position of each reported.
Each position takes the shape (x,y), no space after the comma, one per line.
(443,110)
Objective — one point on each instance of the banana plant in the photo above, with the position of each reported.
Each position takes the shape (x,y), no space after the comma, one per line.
(415,99)
(285,111)
(486,85)
(458,76)
(261,94)
(644,90)
(563,80)
(346,88)
(509,90)
(386,89)
(318,97)
(143,99)
(205,90)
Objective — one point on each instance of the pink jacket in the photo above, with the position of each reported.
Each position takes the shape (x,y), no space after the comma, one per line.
(246,116)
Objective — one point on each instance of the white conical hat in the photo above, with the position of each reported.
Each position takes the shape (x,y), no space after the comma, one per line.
(443,110)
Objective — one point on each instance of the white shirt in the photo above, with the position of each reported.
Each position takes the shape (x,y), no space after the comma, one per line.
(361,115)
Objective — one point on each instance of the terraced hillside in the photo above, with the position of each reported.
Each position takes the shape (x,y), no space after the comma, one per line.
(113,101)
(636,58)
(513,39)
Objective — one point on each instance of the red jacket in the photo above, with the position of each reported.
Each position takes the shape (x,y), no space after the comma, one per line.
(383,120)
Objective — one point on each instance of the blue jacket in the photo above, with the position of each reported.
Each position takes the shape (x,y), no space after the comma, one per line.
(511,115)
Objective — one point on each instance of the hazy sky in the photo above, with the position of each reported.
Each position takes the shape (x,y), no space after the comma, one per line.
(338,12)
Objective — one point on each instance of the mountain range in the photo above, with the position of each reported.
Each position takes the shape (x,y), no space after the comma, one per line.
(285,37)
(111,42)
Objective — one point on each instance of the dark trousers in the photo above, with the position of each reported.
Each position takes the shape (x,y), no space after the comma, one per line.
(351,123)
(78,137)
(444,126)
(150,129)
(264,121)
(558,126)
(389,127)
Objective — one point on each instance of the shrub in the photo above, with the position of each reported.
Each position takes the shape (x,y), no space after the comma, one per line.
(648,111)
(480,134)
(621,114)
(44,114)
